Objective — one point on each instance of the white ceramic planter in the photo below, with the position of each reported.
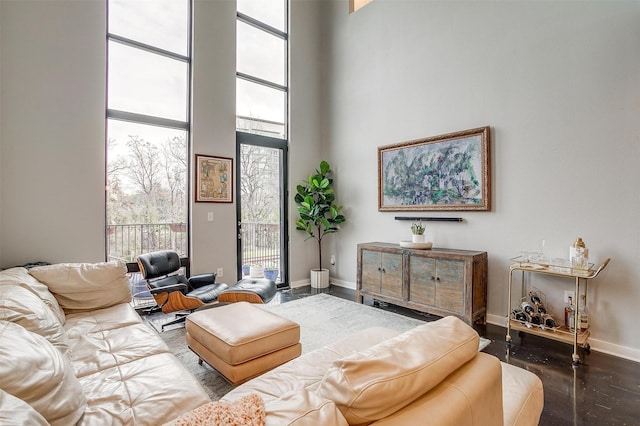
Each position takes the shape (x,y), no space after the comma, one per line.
(319,278)
(415,238)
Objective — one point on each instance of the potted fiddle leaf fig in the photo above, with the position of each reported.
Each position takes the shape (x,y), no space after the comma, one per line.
(319,215)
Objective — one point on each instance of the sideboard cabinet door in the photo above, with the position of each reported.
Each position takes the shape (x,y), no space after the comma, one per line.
(422,282)
(392,275)
(371,261)
(382,273)
(450,281)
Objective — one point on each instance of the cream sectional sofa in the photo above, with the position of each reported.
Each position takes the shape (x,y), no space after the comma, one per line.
(73,351)
(432,374)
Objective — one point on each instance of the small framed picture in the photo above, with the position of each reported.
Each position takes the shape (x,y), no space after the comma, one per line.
(214,179)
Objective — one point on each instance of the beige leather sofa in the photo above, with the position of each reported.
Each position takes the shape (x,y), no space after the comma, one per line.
(432,374)
(73,351)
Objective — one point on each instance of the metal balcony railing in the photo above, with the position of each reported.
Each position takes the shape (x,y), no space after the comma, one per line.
(125,242)
(261,244)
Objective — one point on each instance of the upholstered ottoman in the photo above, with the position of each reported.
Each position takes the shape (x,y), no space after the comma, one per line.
(249,290)
(242,341)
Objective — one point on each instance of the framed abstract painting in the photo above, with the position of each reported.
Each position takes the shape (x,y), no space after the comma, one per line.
(446,172)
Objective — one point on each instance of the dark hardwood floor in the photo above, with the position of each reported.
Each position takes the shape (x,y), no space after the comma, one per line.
(602,390)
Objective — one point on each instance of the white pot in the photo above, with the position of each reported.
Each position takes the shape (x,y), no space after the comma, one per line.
(415,238)
(319,278)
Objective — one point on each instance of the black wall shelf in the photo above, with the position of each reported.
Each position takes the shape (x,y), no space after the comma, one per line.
(430,219)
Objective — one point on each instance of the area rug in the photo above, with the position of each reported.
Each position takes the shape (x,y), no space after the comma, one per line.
(323,319)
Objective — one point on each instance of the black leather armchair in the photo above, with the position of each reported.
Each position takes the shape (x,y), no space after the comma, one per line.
(172,291)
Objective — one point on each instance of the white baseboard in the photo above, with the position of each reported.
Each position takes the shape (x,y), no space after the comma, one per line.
(300,283)
(496,320)
(332,281)
(596,344)
(344,284)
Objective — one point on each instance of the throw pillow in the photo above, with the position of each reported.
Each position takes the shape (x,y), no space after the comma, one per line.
(247,411)
(374,383)
(20,276)
(32,370)
(22,307)
(81,287)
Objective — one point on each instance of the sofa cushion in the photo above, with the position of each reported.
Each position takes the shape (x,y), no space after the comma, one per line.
(303,408)
(20,276)
(523,396)
(384,378)
(128,374)
(33,370)
(109,337)
(471,395)
(14,411)
(23,307)
(148,391)
(83,287)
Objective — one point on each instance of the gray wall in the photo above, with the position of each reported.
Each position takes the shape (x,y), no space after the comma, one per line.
(52,81)
(558,82)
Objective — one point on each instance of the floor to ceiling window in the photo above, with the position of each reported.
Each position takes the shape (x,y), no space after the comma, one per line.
(261,125)
(147,141)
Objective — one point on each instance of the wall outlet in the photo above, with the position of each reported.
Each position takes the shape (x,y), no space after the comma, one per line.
(567,295)
(333,259)
(220,273)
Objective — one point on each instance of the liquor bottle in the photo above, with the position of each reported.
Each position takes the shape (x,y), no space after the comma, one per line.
(584,315)
(569,315)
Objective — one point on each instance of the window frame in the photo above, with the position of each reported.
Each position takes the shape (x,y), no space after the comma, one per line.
(284,35)
(257,139)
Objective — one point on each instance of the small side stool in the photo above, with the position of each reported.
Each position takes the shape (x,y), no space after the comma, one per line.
(249,290)
(242,341)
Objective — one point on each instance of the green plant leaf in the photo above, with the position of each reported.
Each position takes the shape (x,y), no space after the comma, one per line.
(324,167)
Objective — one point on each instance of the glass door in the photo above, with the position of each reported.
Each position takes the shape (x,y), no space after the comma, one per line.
(262,228)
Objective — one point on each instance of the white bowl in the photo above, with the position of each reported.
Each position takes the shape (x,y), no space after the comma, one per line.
(418,246)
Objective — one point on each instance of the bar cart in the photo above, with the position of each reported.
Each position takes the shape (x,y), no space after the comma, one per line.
(558,268)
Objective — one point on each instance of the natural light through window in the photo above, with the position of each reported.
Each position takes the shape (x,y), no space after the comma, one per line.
(261,84)
(147,127)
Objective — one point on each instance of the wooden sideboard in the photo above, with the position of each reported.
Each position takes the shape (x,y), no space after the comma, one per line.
(436,281)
